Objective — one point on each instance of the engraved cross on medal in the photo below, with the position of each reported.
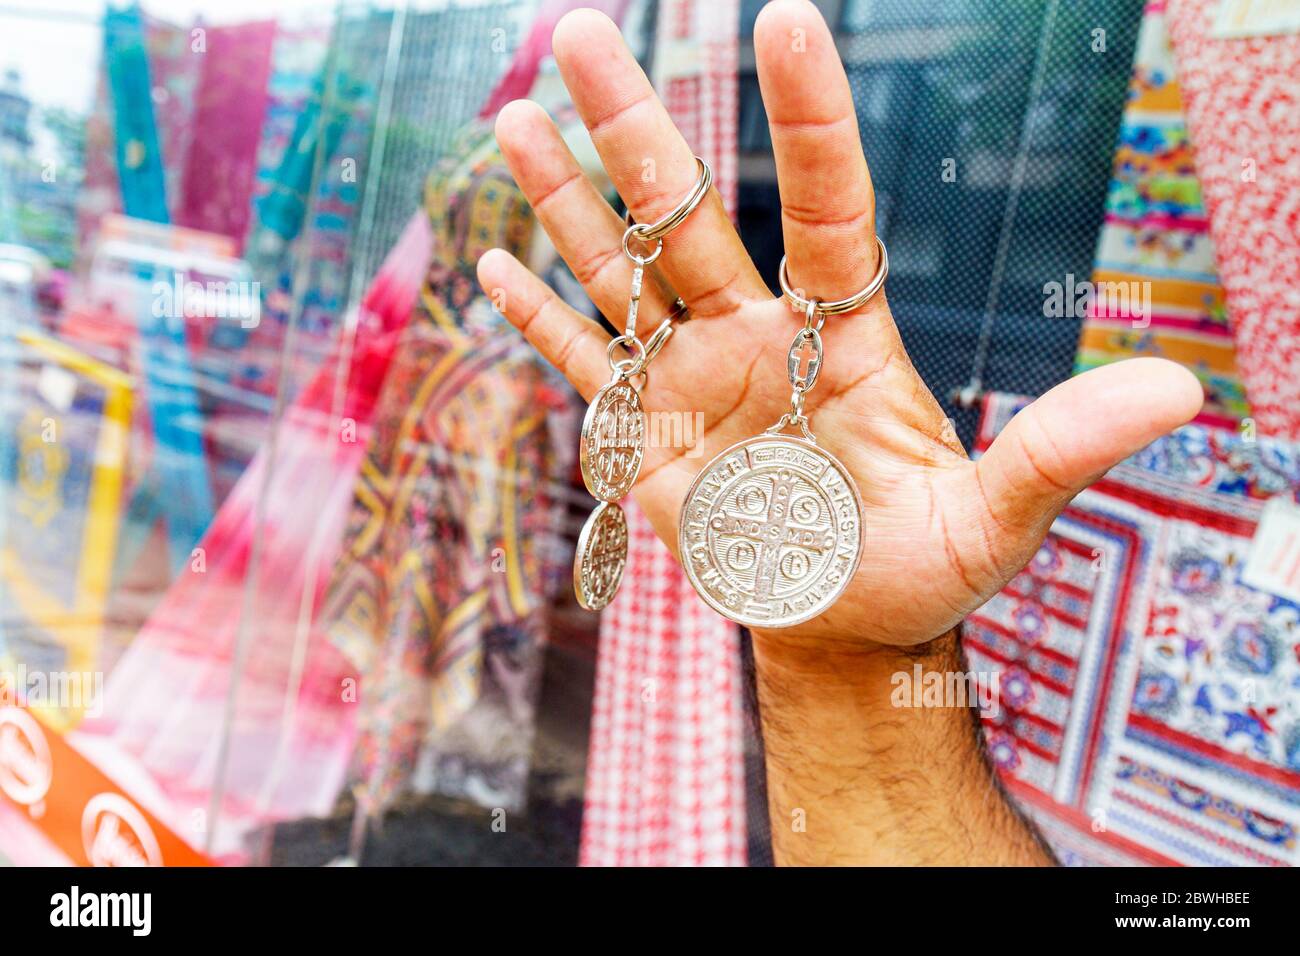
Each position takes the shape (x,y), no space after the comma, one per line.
(774,531)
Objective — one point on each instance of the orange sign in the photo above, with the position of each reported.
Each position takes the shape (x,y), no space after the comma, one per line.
(76,805)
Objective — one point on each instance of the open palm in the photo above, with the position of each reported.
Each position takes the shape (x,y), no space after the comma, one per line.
(941,534)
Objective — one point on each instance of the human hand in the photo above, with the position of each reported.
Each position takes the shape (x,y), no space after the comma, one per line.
(941,534)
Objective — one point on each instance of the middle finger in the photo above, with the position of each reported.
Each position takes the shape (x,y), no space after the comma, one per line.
(651,165)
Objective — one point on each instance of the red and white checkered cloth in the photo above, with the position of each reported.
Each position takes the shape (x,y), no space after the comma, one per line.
(1243,109)
(665,772)
(696,70)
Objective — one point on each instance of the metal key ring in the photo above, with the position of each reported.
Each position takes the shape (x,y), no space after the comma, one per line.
(660,337)
(643,353)
(648,232)
(642,261)
(626,367)
(838,306)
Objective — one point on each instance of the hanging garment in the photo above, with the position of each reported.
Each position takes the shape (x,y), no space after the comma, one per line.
(139,158)
(173,72)
(1243,109)
(665,771)
(229,107)
(1148,708)
(453,546)
(290,737)
(518,80)
(1154,251)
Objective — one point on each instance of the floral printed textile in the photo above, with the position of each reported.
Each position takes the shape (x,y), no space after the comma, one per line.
(1243,109)
(1150,698)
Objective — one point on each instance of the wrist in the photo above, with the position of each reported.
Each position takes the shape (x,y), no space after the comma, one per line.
(817,665)
(855,768)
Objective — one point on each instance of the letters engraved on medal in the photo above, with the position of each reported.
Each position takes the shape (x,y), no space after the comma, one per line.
(601,556)
(771,531)
(613,441)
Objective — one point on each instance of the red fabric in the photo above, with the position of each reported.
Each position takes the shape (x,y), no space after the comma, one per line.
(665,773)
(1243,109)
(221,168)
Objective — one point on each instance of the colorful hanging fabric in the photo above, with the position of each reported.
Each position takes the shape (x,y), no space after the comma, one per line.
(170,390)
(165,700)
(453,548)
(174,68)
(295,88)
(173,76)
(1156,232)
(665,770)
(1243,109)
(135,133)
(173,403)
(1148,706)
(230,104)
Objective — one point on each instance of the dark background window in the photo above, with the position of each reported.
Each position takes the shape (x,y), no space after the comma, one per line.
(989,126)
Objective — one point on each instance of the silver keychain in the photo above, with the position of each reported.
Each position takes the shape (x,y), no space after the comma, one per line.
(770,533)
(612,443)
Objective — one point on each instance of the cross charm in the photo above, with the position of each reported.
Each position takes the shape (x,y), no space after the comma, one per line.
(804,360)
(806,353)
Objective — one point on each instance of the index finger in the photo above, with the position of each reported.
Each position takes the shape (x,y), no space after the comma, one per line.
(651,165)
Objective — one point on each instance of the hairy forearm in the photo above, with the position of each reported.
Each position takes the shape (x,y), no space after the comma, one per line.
(854,780)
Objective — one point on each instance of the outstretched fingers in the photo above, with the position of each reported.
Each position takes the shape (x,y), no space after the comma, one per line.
(567,339)
(586,231)
(651,165)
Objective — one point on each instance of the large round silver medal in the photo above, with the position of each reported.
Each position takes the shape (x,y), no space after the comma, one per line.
(613,441)
(771,531)
(601,556)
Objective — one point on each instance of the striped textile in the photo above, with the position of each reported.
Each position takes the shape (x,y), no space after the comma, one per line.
(1156,231)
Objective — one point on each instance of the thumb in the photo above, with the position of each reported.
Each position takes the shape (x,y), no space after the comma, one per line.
(1063,442)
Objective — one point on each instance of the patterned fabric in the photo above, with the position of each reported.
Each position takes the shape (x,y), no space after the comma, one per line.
(665,771)
(1150,701)
(1156,231)
(696,62)
(292,734)
(453,544)
(1243,108)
